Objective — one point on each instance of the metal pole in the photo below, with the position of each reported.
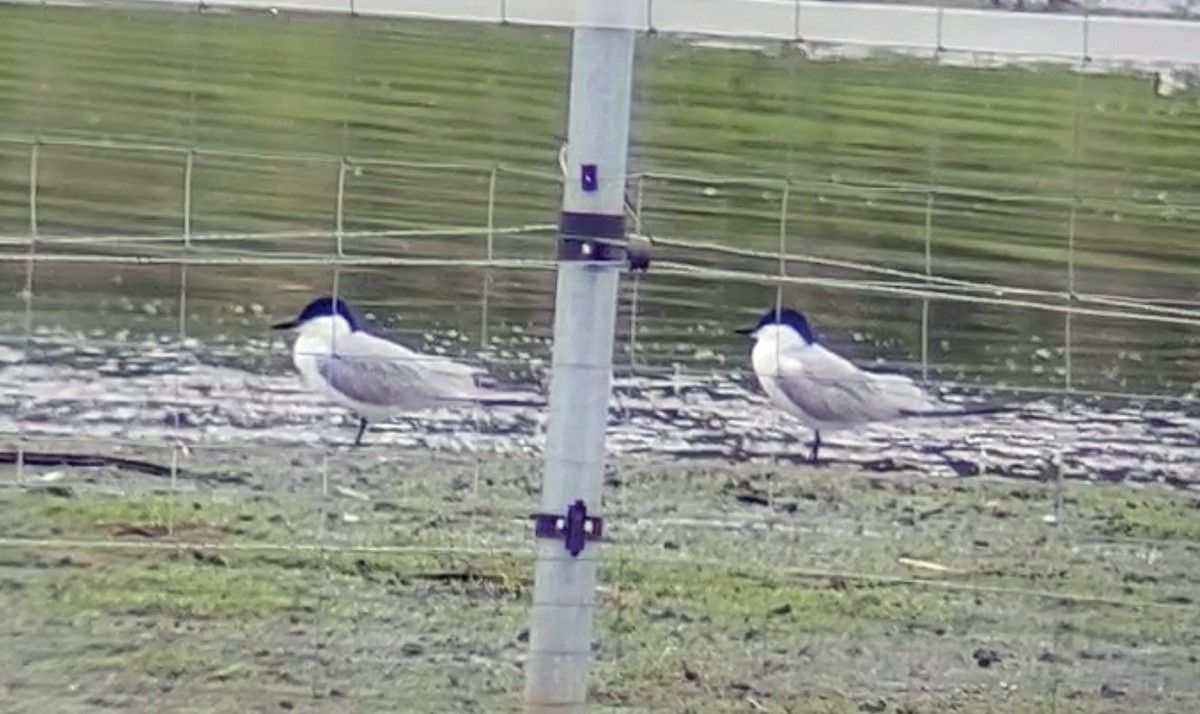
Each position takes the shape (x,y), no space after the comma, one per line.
(591,255)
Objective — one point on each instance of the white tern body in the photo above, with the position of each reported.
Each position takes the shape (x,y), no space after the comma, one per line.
(377,378)
(825,391)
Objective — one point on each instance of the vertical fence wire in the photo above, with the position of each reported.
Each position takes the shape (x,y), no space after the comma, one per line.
(483,422)
(40,105)
(1077,129)
(785,189)
(1057,518)
(175,419)
(490,247)
(339,226)
(930,199)
(778,535)
(331,589)
(635,325)
(621,477)
(484,319)
(782,263)
(633,378)
(1072,225)
(791,230)
(933,156)
(27,297)
(327,594)
(188,172)
(191,22)
(788,536)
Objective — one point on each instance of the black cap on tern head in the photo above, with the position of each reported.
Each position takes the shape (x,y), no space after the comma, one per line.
(785,316)
(324,306)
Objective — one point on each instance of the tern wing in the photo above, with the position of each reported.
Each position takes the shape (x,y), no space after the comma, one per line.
(375,381)
(830,388)
(376,371)
(831,391)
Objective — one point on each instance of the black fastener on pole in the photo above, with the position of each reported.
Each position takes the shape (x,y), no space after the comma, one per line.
(575,528)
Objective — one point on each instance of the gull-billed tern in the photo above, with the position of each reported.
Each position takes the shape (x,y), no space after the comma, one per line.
(377,378)
(826,392)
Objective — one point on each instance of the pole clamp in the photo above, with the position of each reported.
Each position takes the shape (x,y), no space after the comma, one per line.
(575,528)
(591,237)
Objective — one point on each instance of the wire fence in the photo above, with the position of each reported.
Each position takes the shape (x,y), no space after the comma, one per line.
(255,563)
(328,247)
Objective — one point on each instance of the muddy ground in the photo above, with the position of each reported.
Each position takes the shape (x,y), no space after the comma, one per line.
(372,580)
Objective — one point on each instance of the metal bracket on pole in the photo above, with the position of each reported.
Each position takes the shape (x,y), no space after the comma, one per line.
(576,242)
(591,237)
(601,238)
(575,528)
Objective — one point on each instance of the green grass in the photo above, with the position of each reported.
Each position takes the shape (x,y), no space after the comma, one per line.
(173,663)
(145,511)
(158,589)
(190,517)
(668,634)
(826,619)
(288,96)
(1145,513)
(986,555)
(236,585)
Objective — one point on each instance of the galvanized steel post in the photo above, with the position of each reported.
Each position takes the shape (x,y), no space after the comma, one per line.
(591,255)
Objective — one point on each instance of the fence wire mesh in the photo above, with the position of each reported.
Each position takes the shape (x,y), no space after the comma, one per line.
(184,526)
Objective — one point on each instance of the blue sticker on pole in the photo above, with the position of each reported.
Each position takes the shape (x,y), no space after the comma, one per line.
(587,180)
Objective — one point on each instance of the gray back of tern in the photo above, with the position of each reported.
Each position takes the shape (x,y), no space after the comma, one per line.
(377,378)
(827,392)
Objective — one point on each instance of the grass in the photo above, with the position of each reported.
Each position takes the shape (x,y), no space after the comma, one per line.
(285,97)
(168,664)
(1146,514)
(146,511)
(819,619)
(188,517)
(177,589)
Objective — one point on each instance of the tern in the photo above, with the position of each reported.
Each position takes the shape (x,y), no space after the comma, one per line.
(377,378)
(827,392)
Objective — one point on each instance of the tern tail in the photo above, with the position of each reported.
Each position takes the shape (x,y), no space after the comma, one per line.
(981,410)
(511,399)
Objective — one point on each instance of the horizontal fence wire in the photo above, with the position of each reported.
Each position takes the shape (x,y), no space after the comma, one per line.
(1143,309)
(616,553)
(929,286)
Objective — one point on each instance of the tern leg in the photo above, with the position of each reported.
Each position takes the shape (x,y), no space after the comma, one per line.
(816,447)
(362,428)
